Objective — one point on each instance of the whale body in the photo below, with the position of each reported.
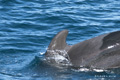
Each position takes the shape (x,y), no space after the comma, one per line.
(102,52)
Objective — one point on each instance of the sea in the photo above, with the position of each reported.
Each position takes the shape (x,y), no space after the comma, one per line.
(28,26)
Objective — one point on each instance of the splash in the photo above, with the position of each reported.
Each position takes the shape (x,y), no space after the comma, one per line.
(59,57)
(99,70)
(84,69)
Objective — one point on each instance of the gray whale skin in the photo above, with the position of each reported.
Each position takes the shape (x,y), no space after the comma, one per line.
(102,52)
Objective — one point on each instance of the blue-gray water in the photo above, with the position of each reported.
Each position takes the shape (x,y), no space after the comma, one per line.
(27,27)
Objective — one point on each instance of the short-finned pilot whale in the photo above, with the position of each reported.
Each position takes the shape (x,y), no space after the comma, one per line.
(102,52)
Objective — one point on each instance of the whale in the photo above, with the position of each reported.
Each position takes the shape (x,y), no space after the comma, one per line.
(101,52)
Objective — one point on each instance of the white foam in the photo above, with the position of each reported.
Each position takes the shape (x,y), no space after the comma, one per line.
(81,70)
(41,53)
(59,56)
(98,70)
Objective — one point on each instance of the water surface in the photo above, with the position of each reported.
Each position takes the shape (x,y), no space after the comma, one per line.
(27,27)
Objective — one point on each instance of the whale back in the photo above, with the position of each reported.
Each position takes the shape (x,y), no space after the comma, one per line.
(97,51)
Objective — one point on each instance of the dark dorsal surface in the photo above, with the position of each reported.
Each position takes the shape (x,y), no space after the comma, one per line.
(107,59)
(111,39)
(58,43)
(99,52)
(86,52)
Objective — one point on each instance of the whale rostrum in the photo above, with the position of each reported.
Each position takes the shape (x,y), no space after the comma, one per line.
(101,52)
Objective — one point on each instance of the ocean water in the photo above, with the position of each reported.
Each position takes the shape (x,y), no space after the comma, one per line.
(27,27)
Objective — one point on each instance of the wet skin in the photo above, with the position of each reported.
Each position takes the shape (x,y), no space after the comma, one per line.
(101,52)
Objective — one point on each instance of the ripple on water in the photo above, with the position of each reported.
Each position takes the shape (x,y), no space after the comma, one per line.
(27,27)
